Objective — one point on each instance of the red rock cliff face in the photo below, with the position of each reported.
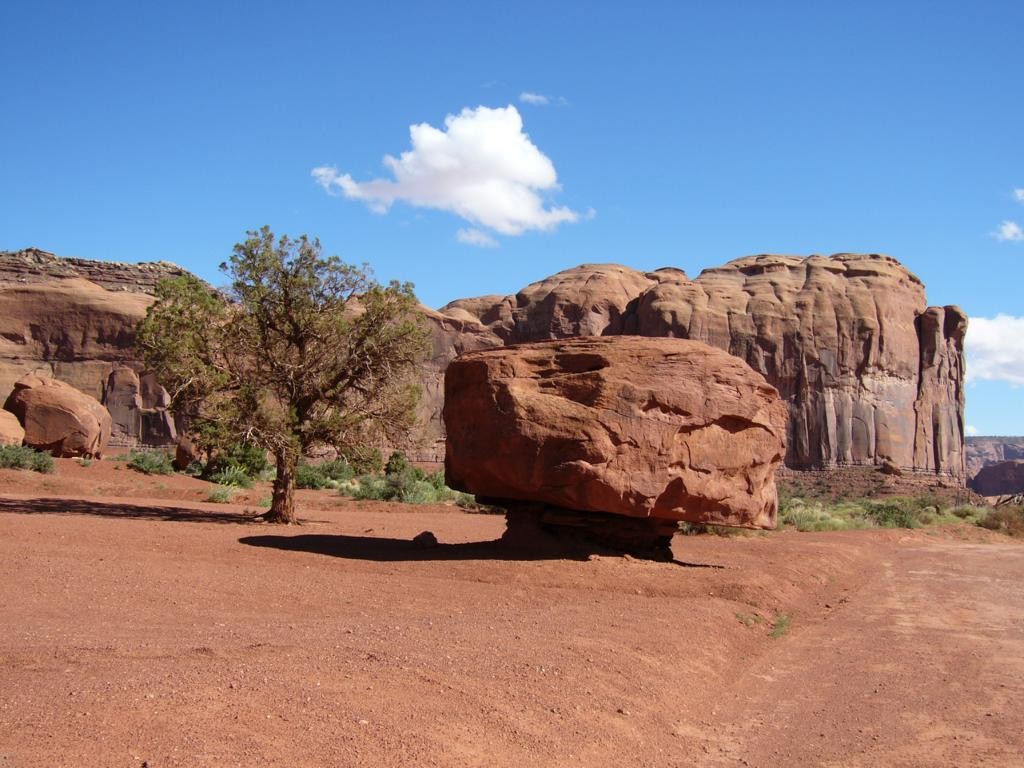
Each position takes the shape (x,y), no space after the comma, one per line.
(71,319)
(869,372)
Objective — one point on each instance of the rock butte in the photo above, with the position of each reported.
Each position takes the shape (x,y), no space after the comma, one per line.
(641,427)
(869,372)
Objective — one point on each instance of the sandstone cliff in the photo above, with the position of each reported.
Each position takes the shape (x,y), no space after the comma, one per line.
(72,319)
(870,373)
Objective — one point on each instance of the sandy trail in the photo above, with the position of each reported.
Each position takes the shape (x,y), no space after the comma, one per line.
(176,638)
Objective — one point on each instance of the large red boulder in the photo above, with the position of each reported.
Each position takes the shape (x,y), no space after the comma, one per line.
(58,418)
(641,427)
(11,431)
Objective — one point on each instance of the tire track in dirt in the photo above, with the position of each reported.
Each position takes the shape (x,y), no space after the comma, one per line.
(923,666)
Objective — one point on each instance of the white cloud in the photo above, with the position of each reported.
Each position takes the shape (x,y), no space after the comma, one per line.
(476,237)
(537,99)
(481,167)
(995,349)
(1018,195)
(1009,231)
(971,430)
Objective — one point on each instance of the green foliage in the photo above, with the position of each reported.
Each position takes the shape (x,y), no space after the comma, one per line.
(896,512)
(220,495)
(326,474)
(151,462)
(412,486)
(242,457)
(232,475)
(301,350)
(781,626)
(397,464)
(23,457)
(892,514)
(363,459)
(1008,520)
(85,461)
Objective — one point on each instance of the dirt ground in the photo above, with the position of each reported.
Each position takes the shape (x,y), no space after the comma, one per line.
(140,626)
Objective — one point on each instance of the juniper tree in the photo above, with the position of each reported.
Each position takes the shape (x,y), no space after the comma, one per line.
(300,350)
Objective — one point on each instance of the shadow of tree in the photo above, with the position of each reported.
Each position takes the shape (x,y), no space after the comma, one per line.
(60,506)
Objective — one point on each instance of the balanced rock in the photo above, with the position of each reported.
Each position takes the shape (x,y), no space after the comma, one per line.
(638,427)
(11,431)
(58,418)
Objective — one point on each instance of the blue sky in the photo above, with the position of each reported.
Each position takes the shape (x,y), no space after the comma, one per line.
(681,134)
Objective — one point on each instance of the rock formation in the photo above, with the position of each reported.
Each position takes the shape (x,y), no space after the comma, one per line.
(870,373)
(650,428)
(1004,478)
(11,431)
(72,319)
(982,451)
(872,376)
(58,418)
(139,408)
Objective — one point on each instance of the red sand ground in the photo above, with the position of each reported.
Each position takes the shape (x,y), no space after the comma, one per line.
(141,627)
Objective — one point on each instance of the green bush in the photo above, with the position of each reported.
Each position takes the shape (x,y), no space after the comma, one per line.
(221,495)
(232,475)
(397,464)
(23,457)
(241,457)
(363,460)
(892,514)
(326,474)
(151,462)
(1008,520)
(412,486)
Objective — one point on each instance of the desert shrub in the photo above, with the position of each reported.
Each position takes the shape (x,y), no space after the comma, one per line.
(23,457)
(220,495)
(233,475)
(241,457)
(397,464)
(411,486)
(816,516)
(781,626)
(151,462)
(326,474)
(265,501)
(362,460)
(1008,520)
(893,513)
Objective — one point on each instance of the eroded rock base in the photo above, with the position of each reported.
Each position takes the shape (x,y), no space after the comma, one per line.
(552,530)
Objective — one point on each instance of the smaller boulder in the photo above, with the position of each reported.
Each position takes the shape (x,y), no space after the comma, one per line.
(11,431)
(58,418)
(185,454)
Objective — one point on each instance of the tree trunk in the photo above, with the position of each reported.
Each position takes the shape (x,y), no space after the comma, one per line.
(282,508)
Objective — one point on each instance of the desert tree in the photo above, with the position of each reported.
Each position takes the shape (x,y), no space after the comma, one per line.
(299,350)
